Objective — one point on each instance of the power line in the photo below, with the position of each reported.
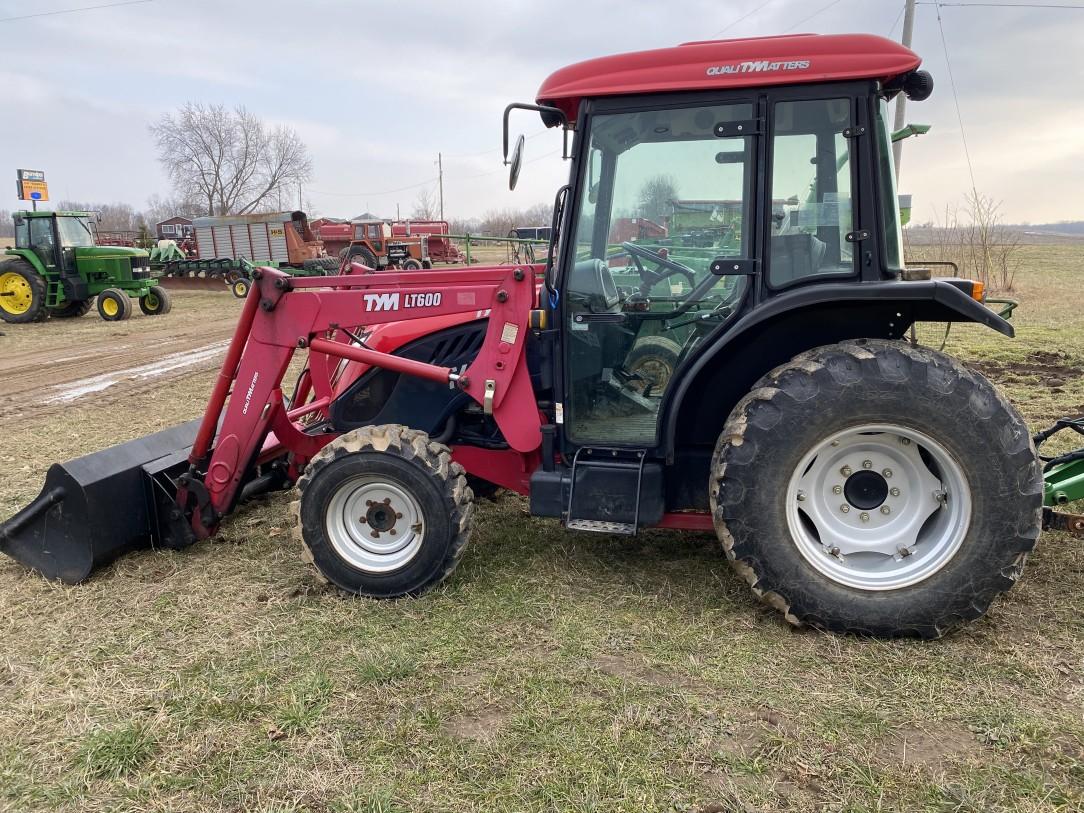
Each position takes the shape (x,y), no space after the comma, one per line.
(956,100)
(73,10)
(490,150)
(899,17)
(744,17)
(375,194)
(1000,5)
(811,16)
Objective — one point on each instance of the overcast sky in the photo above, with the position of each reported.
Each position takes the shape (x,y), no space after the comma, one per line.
(377,89)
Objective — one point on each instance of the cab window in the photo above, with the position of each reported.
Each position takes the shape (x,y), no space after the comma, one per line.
(812,211)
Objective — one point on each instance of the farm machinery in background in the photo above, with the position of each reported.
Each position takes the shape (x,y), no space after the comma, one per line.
(858,482)
(58,269)
(406,244)
(225,249)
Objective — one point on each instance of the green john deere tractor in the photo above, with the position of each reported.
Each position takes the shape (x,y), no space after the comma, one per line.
(57,269)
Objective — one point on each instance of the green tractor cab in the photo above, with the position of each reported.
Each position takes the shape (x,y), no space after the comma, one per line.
(57,269)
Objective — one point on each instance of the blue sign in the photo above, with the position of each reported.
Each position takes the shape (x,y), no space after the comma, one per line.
(35,195)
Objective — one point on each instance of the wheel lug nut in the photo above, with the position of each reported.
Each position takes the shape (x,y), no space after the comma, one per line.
(837,489)
(845,508)
(845,471)
(398,515)
(864,516)
(895,492)
(886,510)
(801,496)
(905,441)
(387,501)
(393,532)
(887,473)
(363,520)
(867,464)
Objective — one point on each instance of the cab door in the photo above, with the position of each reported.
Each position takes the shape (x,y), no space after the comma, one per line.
(661,255)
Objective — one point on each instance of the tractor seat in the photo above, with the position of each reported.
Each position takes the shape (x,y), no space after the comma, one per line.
(794,256)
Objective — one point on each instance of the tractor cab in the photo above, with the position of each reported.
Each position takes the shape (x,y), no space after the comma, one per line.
(711,182)
(54,236)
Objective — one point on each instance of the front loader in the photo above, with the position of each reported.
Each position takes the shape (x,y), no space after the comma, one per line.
(858,482)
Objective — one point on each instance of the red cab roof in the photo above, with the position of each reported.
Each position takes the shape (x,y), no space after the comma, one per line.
(792,59)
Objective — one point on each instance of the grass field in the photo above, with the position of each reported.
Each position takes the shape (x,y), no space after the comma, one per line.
(554,671)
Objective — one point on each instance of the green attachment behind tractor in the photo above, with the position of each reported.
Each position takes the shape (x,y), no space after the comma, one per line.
(57,269)
(1063,479)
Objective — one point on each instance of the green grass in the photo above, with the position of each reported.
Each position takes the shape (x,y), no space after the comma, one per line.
(554,671)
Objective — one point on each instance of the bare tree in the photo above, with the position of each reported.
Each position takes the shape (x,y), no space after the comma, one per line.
(657,197)
(159,209)
(229,160)
(425,205)
(112,216)
(7,225)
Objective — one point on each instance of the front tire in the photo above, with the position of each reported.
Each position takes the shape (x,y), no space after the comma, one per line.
(876,488)
(114,305)
(384,512)
(156,302)
(239,287)
(412,265)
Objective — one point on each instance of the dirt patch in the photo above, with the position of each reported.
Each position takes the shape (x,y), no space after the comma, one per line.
(1054,367)
(481,726)
(637,670)
(930,748)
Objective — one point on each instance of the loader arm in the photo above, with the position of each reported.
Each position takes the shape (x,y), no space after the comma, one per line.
(318,314)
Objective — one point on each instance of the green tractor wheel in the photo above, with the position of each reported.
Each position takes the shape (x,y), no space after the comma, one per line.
(156,302)
(72,310)
(114,305)
(22,293)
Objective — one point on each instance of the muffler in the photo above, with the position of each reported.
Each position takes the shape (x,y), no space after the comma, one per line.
(94,508)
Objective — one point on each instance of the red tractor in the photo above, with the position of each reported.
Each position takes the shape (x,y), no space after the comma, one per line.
(858,482)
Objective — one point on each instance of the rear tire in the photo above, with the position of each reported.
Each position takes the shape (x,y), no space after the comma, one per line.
(156,302)
(22,293)
(72,310)
(785,498)
(114,305)
(384,512)
(362,255)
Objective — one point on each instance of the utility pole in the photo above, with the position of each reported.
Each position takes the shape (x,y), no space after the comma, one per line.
(901,99)
(440,183)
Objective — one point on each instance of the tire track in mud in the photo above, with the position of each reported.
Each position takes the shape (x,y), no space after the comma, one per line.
(40,382)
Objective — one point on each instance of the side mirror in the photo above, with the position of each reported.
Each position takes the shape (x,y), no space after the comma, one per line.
(516,162)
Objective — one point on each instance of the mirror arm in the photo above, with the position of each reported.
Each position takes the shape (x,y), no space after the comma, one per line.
(538,108)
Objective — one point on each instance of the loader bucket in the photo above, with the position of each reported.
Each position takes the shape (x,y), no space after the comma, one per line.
(94,508)
(194,284)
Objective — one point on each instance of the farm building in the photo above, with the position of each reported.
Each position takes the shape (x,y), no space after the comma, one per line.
(175,228)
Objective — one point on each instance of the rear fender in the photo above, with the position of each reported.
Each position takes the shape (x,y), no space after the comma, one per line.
(30,257)
(710,385)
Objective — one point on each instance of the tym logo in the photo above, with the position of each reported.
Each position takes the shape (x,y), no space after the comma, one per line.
(382,302)
(248,395)
(757,66)
(392,302)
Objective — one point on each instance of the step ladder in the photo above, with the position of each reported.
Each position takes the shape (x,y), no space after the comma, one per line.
(617,465)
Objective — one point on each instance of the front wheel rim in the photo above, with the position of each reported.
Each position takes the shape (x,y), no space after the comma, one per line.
(374,525)
(878,507)
(110,307)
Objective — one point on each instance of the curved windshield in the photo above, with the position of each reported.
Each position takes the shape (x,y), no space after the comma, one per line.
(75,232)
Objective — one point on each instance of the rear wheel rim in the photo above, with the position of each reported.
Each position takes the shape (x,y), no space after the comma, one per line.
(16,295)
(878,507)
(374,525)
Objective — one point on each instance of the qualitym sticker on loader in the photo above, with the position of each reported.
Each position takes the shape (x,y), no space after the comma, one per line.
(741,368)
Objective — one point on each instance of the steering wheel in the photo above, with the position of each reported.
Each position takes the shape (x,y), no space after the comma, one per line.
(668,268)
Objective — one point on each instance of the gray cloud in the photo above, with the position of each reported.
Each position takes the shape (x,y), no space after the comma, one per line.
(378,88)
